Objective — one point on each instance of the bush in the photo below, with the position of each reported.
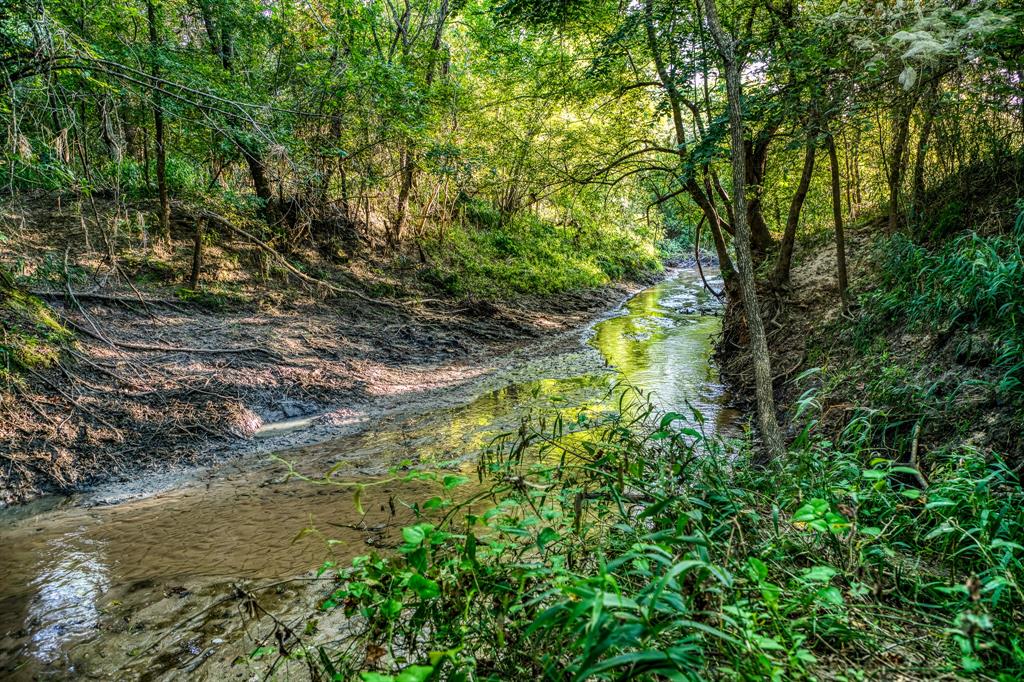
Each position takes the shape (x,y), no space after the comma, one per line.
(492,258)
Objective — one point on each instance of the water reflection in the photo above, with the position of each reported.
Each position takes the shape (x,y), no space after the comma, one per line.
(663,344)
(71,576)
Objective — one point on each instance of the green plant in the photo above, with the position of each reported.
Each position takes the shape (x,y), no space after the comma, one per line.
(629,546)
(971,283)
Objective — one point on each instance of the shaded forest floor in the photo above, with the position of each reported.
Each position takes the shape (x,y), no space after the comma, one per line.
(157,376)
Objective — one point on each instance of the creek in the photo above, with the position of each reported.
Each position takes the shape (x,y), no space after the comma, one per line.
(88,590)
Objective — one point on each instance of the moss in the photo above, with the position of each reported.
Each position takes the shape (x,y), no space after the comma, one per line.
(30,335)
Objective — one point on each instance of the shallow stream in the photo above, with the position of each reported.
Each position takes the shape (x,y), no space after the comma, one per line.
(84,591)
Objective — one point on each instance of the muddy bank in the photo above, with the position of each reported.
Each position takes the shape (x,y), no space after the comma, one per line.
(151,387)
(791,317)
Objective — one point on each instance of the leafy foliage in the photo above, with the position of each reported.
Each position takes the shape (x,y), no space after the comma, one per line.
(628,547)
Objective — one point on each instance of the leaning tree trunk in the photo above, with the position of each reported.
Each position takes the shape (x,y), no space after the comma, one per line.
(784,261)
(770,431)
(261,184)
(837,219)
(899,153)
(158,126)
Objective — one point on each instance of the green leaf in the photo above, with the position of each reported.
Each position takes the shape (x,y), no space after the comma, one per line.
(415,535)
(375,677)
(615,601)
(758,568)
(836,522)
(415,673)
(831,595)
(453,481)
(770,593)
(425,588)
(668,419)
(262,651)
(547,535)
(818,574)
(391,608)
(767,643)
(813,509)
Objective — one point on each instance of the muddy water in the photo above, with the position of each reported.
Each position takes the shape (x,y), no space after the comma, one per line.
(98,592)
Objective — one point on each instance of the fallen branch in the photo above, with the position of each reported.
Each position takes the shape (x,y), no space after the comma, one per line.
(172,349)
(106,298)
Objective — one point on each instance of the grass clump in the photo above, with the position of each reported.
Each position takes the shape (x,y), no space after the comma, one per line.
(630,546)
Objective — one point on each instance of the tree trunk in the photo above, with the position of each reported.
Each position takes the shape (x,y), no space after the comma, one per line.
(158,127)
(211,29)
(197,254)
(837,219)
(899,152)
(770,431)
(409,156)
(757,165)
(401,217)
(917,197)
(261,183)
(784,261)
(227,48)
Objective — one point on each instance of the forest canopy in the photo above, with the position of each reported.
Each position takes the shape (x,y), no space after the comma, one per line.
(391,120)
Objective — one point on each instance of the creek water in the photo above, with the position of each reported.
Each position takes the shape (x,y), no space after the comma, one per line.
(82,588)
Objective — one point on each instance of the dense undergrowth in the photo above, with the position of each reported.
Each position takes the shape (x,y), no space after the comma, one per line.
(491,256)
(971,282)
(630,546)
(935,353)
